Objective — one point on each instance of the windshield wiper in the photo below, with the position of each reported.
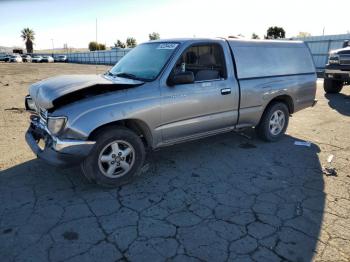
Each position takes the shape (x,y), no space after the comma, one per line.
(127,75)
(109,73)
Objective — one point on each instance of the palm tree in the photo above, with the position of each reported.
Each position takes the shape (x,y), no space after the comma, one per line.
(28,36)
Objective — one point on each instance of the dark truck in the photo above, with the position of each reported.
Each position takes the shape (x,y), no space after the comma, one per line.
(337,71)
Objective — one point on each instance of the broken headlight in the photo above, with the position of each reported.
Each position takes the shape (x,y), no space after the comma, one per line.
(56,124)
(29,104)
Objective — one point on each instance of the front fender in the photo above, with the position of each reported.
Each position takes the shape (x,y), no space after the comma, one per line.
(84,123)
(85,115)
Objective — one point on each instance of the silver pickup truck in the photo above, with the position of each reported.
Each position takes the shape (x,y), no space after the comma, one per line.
(166,92)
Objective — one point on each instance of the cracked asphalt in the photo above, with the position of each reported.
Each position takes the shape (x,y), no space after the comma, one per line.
(230,197)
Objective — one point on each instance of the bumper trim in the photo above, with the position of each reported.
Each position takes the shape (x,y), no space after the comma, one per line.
(336,71)
(71,146)
(57,152)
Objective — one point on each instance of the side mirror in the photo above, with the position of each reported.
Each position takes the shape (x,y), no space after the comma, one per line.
(346,43)
(181,78)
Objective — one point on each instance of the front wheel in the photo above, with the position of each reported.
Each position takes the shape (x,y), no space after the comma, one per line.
(274,122)
(117,156)
(332,86)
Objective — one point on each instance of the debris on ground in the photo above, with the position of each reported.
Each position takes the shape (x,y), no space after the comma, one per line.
(302,143)
(242,134)
(329,171)
(299,209)
(330,158)
(15,109)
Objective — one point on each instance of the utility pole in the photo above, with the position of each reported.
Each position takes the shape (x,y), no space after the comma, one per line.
(96,30)
(97,47)
(323,31)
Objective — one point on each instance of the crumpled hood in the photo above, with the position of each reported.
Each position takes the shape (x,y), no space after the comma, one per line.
(46,91)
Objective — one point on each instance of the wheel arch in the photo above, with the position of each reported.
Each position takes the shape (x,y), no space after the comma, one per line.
(286,99)
(136,125)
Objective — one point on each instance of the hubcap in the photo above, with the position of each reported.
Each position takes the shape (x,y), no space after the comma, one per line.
(277,122)
(116,159)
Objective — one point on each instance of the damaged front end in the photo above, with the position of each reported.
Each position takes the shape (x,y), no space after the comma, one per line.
(50,135)
(52,149)
(61,90)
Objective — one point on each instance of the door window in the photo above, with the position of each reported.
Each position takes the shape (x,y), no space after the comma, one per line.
(206,62)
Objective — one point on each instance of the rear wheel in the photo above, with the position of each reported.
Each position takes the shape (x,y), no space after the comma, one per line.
(274,122)
(117,156)
(331,86)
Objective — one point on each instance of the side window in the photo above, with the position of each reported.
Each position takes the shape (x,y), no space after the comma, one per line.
(207,62)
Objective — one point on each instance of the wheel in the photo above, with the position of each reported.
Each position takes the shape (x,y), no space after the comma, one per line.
(332,86)
(274,122)
(117,156)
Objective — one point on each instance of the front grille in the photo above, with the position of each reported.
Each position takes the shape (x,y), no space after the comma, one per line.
(344,59)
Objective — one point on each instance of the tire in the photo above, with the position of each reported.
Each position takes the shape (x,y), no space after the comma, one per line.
(332,86)
(272,132)
(112,145)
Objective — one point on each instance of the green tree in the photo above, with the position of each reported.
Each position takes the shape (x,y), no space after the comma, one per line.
(119,44)
(275,32)
(131,42)
(154,36)
(101,47)
(28,36)
(255,36)
(93,46)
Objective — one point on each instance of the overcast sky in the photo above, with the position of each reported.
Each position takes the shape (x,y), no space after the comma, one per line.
(73,21)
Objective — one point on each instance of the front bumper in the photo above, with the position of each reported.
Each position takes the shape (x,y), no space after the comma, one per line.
(55,151)
(337,72)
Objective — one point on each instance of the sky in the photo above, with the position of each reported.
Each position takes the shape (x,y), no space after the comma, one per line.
(74,21)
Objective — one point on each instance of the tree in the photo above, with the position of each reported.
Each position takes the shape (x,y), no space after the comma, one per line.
(275,32)
(303,34)
(28,37)
(131,42)
(119,44)
(154,36)
(101,47)
(255,36)
(93,46)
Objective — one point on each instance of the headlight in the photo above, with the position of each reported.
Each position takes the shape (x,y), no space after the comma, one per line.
(333,59)
(56,124)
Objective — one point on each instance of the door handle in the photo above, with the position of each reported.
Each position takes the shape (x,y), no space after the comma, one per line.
(225,91)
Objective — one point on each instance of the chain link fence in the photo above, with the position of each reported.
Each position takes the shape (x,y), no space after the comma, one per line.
(107,57)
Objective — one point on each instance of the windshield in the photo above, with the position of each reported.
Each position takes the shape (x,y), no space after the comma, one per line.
(145,61)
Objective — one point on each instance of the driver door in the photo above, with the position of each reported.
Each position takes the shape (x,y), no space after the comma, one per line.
(207,105)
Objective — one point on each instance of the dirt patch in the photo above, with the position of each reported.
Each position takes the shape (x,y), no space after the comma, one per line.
(70,235)
(247,145)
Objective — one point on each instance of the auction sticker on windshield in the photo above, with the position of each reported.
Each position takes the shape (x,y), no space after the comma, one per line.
(167,46)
